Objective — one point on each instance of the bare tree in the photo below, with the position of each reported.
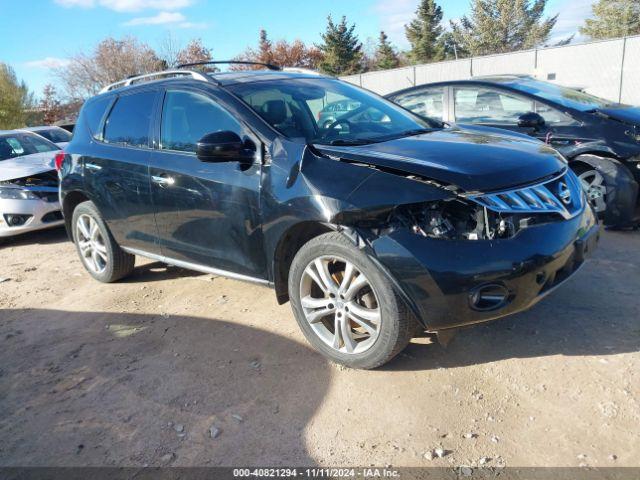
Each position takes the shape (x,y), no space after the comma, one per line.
(169,50)
(194,52)
(283,53)
(110,61)
(50,105)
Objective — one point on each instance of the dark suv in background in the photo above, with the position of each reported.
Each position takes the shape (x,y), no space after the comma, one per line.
(600,139)
(375,230)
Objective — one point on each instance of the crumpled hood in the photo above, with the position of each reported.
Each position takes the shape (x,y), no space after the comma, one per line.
(472,161)
(623,114)
(26,165)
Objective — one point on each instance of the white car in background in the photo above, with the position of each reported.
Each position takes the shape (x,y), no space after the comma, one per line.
(54,134)
(28,183)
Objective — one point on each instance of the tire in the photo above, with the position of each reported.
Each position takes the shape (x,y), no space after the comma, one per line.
(355,312)
(594,184)
(620,193)
(115,262)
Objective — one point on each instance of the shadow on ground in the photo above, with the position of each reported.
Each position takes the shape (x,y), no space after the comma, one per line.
(42,237)
(113,389)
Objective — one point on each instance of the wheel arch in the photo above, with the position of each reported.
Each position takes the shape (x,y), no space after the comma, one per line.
(288,245)
(70,202)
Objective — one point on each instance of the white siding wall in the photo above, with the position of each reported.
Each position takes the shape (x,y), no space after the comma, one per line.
(597,67)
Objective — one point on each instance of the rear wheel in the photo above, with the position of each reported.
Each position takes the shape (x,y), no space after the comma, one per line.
(344,304)
(101,256)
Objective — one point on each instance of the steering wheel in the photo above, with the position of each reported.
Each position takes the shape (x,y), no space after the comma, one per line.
(340,121)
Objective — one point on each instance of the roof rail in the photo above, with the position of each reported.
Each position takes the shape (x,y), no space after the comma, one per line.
(270,66)
(308,71)
(154,76)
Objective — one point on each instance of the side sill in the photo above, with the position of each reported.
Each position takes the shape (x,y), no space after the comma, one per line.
(196,267)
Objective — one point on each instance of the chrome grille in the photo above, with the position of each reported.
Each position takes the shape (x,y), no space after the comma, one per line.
(562,195)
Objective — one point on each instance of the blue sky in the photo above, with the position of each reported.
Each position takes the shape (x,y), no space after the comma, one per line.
(38,34)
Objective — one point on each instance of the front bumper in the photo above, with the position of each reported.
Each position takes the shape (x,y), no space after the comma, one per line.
(442,280)
(40,214)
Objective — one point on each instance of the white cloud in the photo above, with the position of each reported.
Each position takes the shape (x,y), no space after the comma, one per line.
(394,15)
(128,5)
(162,18)
(572,14)
(193,25)
(76,3)
(48,62)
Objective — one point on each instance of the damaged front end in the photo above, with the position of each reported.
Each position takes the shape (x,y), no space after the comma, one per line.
(458,256)
(29,203)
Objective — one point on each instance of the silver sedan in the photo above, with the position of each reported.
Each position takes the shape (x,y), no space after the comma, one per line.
(28,183)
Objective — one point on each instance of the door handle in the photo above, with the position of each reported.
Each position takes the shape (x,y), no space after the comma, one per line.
(92,166)
(162,180)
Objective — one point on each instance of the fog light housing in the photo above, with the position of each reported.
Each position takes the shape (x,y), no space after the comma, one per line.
(14,220)
(489,297)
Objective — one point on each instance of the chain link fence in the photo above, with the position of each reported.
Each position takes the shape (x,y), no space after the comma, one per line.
(608,69)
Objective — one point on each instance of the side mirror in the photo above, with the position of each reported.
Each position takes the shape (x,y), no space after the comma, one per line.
(225,146)
(531,120)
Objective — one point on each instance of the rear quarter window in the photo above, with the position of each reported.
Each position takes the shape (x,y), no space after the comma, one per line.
(92,113)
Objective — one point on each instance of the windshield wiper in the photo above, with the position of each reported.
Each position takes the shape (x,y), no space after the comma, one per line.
(347,142)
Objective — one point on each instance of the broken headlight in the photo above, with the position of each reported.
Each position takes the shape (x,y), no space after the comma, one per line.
(16,193)
(460,219)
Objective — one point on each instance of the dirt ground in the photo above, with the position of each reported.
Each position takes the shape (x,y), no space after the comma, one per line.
(146,371)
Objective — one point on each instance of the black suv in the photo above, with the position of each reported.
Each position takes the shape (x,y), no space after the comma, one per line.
(376,231)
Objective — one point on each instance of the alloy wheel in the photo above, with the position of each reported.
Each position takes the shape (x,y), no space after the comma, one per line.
(592,182)
(93,250)
(340,304)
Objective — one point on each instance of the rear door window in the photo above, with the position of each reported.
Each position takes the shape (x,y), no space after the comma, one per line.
(130,120)
(428,102)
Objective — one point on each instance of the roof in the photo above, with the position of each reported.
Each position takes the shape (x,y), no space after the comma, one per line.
(221,78)
(246,76)
(40,127)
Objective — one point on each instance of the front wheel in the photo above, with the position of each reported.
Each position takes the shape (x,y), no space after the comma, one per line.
(594,186)
(101,256)
(346,307)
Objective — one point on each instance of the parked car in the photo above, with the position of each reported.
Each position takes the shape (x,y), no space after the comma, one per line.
(600,139)
(375,231)
(332,112)
(28,183)
(54,134)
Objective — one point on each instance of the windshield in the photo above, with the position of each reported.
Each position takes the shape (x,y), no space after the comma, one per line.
(330,112)
(56,135)
(14,145)
(567,97)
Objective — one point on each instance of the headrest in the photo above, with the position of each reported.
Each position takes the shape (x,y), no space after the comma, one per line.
(274,111)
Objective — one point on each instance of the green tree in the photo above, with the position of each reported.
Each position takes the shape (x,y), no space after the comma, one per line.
(386,56)
(500,26)
(424,33)
(15,99)
(613,18)
(341,49)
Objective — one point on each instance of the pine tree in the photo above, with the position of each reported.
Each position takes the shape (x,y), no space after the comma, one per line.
(613,18)
(386,56)
(341,48)
(424,33)
(265,48)
(500,26)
